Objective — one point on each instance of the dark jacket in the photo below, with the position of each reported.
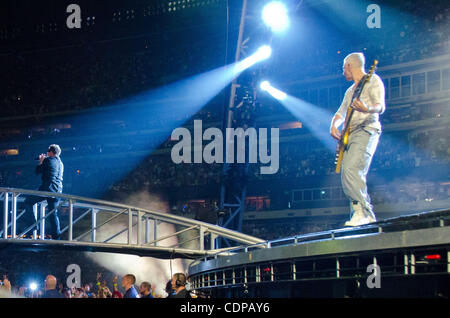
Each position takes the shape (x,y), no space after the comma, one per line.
(52,293)
(182,294)
(52,170)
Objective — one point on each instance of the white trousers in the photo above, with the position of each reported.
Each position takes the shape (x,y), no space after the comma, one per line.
(356,163)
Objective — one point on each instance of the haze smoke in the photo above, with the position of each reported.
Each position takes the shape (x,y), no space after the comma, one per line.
(155,271)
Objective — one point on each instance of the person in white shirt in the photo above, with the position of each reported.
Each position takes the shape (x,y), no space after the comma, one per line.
(365,131)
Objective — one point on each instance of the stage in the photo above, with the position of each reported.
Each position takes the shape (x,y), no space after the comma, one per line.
(409,252)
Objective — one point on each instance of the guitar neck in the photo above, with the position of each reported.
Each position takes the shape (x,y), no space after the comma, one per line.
(350,110)
(343,142)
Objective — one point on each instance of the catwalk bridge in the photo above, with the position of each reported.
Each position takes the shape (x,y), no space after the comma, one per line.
(102,226)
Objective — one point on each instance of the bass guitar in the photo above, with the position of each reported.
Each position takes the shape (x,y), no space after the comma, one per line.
(345,133)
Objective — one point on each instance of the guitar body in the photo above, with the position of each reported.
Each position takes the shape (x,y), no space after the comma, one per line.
(340,151)
(345,133)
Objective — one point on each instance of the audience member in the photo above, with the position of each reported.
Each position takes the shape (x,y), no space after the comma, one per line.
(128,282)
(50,288)
(179,286)
(145,290)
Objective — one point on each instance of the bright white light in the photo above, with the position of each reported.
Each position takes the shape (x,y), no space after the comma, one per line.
(264,85)
(264,52)
(276,93)
(275,16)
(33,286)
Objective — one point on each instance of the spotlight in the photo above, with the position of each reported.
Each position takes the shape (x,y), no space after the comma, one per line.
(275,93)
(33,286)
(264,85)
(275,16)
(264,52)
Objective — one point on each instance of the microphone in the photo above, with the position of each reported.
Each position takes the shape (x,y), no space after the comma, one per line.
(37,158)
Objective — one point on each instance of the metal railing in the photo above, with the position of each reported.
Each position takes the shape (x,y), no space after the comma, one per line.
(422,219)
(142,226)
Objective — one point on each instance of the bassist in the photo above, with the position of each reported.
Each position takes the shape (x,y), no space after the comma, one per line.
(364,133)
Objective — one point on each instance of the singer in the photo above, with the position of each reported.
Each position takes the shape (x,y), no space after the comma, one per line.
(51,168)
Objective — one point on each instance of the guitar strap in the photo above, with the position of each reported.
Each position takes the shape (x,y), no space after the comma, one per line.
(359,88)
(343,142)
(357,92)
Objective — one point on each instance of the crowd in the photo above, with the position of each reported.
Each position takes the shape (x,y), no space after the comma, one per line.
(427,148)
(418,30)
(297,160)
(415,113)
(161,171)
(99,75)
(410,190)
(177,287)
(398,194)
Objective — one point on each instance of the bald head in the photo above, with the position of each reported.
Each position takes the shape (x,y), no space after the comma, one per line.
(128,280)
(353,68)
(355,60)
(50,282)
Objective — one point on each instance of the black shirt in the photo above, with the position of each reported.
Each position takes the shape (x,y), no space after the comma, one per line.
(182,294)
(52,293)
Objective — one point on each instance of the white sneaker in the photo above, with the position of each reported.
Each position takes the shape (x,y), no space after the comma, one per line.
(356,222)
(357,217)
(371,216)
(361,220)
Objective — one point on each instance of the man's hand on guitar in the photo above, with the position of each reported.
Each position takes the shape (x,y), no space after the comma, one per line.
(360,106)
(335,133)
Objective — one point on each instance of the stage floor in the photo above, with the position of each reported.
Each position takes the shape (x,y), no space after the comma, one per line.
(409,245)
